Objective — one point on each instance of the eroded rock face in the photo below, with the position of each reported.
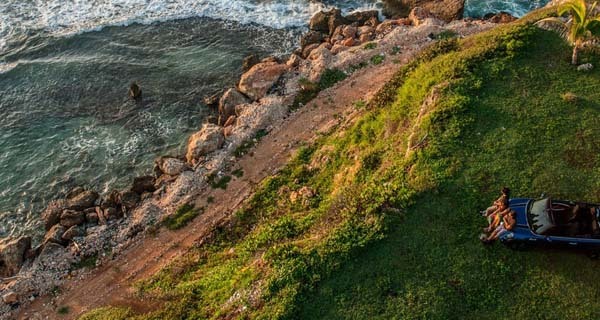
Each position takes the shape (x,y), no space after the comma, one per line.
(259,79)
(447,10)
(207,140)
(231,98)
(12,255)
(363,17)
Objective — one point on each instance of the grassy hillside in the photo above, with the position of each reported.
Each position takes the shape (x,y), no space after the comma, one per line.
(378,221)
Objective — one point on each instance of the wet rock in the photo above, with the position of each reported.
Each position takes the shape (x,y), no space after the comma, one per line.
(231,98)
(500,17)
(129,199)
(172,166)
(212,100)
(70,218)
(72,232)
(83,200)
(110,200)
(207,140)
(249,62)
(320,22)
(143,184)
(10,298)
(135,91)
(55,235)
(362,17)
(12,255)
(92,217)
(257,81)
(51,215)
(310,38)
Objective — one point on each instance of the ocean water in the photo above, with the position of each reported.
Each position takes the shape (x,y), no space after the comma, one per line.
(65,67)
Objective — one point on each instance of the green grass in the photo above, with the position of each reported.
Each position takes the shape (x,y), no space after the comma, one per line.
(218,182)
(379,221)
(108,313)
(86,262)
(64,310)
(370,46)
(181,217)
(377,59)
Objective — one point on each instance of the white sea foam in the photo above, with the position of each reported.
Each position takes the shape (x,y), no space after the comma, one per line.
(64,17)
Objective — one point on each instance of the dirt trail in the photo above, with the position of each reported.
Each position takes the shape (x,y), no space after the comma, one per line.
(111,284)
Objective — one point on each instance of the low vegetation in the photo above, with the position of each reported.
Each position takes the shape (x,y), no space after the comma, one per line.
(380,221)
(181,217)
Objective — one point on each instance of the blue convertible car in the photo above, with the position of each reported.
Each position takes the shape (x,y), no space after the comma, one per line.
(555,223)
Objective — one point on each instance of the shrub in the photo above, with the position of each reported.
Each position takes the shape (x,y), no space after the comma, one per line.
(181,217)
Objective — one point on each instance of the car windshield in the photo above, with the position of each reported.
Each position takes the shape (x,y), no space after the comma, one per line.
(539,216)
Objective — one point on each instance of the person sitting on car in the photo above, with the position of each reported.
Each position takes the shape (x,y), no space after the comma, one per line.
(505,195)
(508,223)
(495,218)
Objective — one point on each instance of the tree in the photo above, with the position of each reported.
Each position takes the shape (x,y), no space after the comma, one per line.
(580,28)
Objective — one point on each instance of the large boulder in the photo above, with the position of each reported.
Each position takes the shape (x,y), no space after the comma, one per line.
(51,215)
(446,10)
(229,100)
(259,79)
(320,22)
(55,234)
(82,200)
(70,218)
(207,140)
(172,166)
(12,255)
(143,184)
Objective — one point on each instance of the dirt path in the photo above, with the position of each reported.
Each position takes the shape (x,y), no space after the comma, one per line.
(111,284)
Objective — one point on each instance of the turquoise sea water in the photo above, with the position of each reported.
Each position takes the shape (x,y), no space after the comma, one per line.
(65,68)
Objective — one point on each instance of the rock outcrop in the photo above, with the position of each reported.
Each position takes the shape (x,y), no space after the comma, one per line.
(446,10)
(12,255)
(172,166)
(207,140)
(231,98)
(259,79)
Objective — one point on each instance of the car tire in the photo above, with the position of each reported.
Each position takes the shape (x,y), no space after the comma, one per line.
(517,245)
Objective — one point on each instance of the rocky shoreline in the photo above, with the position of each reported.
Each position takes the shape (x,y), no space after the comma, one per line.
(86,228)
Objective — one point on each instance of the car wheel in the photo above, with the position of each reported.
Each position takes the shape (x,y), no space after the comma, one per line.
(517,245)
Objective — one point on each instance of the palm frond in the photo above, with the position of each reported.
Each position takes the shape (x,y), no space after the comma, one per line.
(555,24)
(577,8)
